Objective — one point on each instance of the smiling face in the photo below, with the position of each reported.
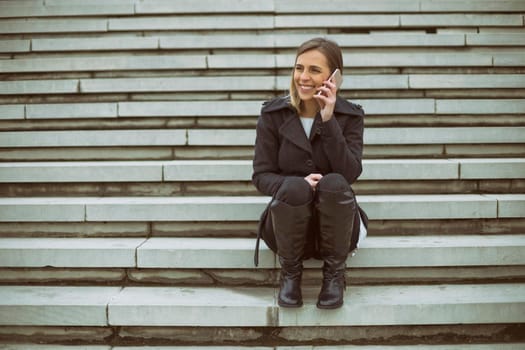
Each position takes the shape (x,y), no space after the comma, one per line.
(311,70)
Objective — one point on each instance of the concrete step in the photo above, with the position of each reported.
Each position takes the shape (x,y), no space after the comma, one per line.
(285,21)
(237,253)
(256,307)
(239,137)
(246,208)
(248,108)
(367,59)
(251,22)
(401,6)
(155,23)
(131,7)
(241,170)
(263,41)
(493,346)
(63,8)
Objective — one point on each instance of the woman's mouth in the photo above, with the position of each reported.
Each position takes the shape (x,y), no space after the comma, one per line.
(306,88)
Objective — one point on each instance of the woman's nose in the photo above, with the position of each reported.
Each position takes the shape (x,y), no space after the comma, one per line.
(304,76)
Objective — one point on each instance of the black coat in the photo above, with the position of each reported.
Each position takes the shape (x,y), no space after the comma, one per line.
(282,148)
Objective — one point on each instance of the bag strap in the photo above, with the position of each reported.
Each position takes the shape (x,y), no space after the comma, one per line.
(262,220)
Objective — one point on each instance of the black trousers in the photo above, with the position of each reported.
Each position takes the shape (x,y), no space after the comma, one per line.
(296,191)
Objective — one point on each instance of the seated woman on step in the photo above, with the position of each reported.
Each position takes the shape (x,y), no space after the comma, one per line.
(307,154)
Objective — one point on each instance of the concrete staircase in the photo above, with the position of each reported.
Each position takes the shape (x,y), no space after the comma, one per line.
(127,216)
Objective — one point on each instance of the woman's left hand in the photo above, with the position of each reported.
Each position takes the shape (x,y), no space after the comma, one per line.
(326,99)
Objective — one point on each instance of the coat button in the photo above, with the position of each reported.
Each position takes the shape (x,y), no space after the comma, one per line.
(310,163)
(318,131)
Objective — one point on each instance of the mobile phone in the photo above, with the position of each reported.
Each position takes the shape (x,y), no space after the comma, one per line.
(336,78)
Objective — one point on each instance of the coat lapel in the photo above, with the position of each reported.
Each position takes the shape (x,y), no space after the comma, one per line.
(293,131)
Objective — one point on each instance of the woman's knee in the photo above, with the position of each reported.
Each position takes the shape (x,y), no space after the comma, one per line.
(333,182)
(295,191)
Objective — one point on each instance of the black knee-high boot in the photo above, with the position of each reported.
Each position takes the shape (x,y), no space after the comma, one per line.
(336,212)
(290,225)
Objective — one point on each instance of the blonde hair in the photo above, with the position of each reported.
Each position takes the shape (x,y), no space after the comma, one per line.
(333,55)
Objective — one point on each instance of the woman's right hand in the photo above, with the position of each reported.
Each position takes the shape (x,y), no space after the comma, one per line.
(313,179)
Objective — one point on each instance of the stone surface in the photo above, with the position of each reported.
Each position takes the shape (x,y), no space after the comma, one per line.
(37,10)
(202,253)
(495,39)
(336,20)
(55,306)
(191,22)
(53,347)
(41,209)
(410,59)
(505,168)
(471,81)
(361,82)
(513,59)
(111,63)
(93,138)
(259,61)
(461,20)
(389,39)
(234,170)
(94,44)
(65,229)
(216,41)
(188,108)
(402,169)
(429,251)
(510,206)
(221,137)
(97,63)
(185,306)
(498,346)
(428,207)
(448,304)
(15,45)
(41,25)
(15,111)
(244,208)
(176,209)
(503,106)
(397,107)
(293,6)
(93,276)
(417,59)
(72,111)
(411,305)
(179,84)
(220,6)
(69,252)
(22,87)
(472,6)
(81,172)
(457,135)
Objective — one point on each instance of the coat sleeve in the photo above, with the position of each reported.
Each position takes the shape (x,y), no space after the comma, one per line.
(344,147)
(266,174)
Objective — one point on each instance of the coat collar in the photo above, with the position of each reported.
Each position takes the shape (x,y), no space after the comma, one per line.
(292,128)
(342,106)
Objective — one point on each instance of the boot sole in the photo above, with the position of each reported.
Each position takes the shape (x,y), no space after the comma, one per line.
(330,307)
(281,304)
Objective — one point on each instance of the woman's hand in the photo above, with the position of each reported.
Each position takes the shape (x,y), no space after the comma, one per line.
(313,179)
(326,99)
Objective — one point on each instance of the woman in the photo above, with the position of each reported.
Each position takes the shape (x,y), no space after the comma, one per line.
(307,154)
